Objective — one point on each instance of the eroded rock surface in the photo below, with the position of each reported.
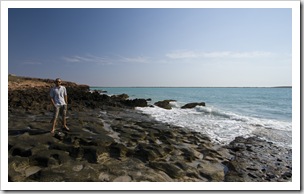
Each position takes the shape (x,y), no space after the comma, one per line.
(110,141)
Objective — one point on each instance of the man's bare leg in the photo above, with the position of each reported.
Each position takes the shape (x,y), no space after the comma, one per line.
(64,120)
(54,126)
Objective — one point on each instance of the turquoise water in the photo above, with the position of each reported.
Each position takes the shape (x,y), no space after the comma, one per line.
(229,112)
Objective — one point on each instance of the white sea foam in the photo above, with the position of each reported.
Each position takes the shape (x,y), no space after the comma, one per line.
(222,126)
(229,112)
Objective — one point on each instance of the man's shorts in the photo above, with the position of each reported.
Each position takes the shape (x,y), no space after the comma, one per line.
(62,109)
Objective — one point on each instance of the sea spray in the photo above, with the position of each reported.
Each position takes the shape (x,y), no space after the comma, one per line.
(229,112)
(223,126)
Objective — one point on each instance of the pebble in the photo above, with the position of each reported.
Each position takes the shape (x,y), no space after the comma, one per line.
(78,168)
(122,179)
(32,170)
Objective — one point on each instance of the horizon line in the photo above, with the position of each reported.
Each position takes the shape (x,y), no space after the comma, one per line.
(190,86)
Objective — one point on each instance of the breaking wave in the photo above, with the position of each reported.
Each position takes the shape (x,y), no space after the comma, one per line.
(223,126)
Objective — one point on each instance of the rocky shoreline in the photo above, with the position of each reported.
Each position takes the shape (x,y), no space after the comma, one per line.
(111,141)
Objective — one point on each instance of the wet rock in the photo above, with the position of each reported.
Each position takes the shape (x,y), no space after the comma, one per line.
(257,160)
(136,103)
(194,104)
(120,97)
(164,104)
(110,141)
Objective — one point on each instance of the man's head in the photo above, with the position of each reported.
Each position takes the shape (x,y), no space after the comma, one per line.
(58,82)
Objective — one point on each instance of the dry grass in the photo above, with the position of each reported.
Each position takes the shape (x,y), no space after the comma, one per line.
(16,82)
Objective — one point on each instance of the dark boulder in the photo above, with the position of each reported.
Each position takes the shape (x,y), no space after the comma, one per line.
(135,103)
(164,104)
(120,97)
(192,105)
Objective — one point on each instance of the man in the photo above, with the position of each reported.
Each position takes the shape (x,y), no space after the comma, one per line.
(59,99)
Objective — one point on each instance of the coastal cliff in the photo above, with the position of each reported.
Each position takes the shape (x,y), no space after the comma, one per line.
(110,141)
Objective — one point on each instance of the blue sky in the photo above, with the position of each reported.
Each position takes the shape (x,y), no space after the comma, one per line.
(153,47)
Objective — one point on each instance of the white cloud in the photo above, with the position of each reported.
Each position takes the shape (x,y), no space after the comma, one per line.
(219,54)
(135,59)
(31,62)
(104,60)
(87,58)
(183,54)
(71,59)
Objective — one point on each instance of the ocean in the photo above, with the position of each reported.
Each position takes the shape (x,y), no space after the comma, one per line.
(229,112)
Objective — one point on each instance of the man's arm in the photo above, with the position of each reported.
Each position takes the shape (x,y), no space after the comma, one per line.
(66,99)
(53,102)
(52,99)
(65,94)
